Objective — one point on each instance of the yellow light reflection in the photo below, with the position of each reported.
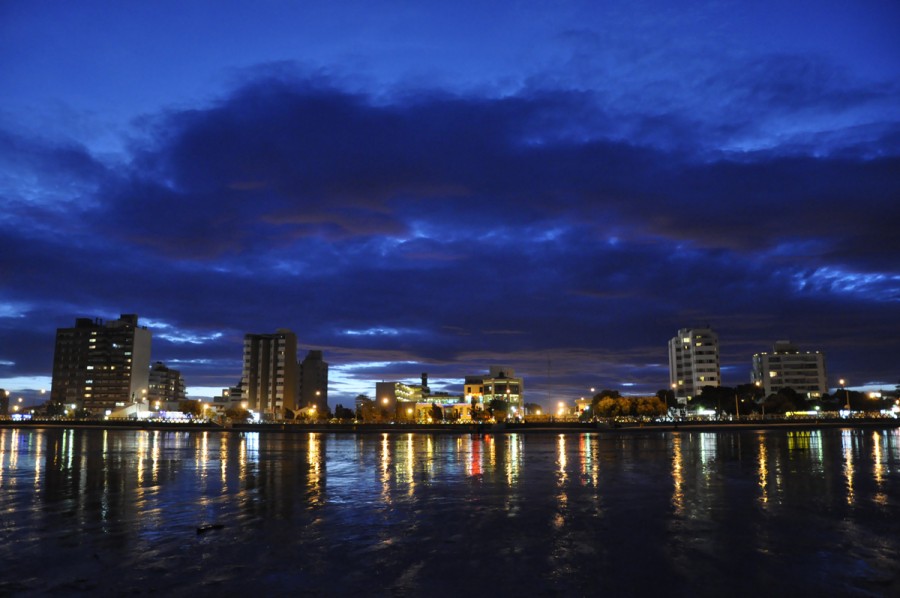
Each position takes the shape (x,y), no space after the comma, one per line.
(878,469)
(561,460)
(847,443)
(410,464)
(677,476)
(562,497)
(141,455)
(491,443)
(763,465)
(154,457)
(429,457)
(314,477)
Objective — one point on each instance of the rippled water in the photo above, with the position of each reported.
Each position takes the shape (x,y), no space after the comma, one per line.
(678,513)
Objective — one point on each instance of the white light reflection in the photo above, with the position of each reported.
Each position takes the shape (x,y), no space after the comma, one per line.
(38,459)
(708,450)
(385,469)
(203,457)
(513,458)
(223,464)
(561,462)
(847,444)
(2,455)
(590,467)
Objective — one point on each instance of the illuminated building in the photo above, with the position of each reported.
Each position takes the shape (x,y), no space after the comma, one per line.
(313,382)
(101,366)
(165,385)
(693,362)
(788,367)
(500,383)
(269,377)
(396,397)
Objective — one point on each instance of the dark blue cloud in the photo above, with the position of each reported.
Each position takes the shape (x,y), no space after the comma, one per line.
(445,232)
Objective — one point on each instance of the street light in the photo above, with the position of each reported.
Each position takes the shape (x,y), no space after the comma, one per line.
(846,393)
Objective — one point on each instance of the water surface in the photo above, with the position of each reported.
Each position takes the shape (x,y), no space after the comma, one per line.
(679,513)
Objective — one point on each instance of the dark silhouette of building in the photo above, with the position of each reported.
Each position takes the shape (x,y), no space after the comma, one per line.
(313,383)
(101,366)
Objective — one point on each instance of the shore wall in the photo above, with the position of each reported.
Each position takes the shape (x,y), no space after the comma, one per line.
(469,428)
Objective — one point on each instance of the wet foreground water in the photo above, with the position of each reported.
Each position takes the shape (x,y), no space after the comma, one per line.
(679,513)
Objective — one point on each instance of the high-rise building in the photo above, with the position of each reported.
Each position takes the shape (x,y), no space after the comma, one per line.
(788,367)
(313,382)
(270,373)
(165,386)
(693,362)
(101,366)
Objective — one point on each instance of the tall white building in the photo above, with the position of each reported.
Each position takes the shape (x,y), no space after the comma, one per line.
(693,362)
(788,367)
(269,380)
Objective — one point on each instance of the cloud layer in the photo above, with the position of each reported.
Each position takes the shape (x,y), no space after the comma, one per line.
(564,231)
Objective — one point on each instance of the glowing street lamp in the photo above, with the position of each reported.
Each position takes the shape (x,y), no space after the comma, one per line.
(842,382)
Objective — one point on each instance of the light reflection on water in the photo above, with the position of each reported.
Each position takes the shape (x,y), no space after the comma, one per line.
(560,513)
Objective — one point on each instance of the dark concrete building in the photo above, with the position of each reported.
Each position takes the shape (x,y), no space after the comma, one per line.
(101,366)
(313,382)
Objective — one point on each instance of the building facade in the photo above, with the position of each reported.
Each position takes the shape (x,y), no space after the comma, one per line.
(693,362)
(788,367)
(165,386)
(269,379)
(395,399)
(313,382)
(500,383)
(101,366)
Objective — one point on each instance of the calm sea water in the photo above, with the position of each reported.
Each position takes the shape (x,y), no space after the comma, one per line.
(125,512)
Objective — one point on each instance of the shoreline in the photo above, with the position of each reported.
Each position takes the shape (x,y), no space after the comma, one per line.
(468,428)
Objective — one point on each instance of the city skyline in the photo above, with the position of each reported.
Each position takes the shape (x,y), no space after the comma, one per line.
(434,188)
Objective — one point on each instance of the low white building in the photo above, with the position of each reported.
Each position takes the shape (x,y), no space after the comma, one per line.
(788,367)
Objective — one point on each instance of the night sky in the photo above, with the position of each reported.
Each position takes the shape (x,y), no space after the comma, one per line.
(433,186)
